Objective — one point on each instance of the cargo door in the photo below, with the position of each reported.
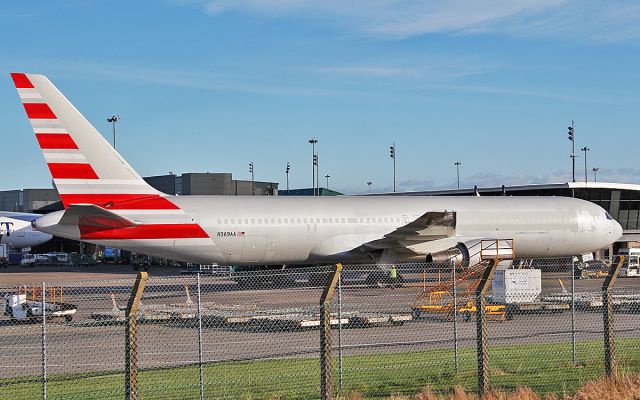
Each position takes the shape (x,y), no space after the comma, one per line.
(254,249)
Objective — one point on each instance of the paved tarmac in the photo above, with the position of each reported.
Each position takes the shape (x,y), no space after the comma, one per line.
(87,345)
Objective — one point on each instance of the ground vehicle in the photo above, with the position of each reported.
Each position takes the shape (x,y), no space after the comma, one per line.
(28,260)
(42,259)
(631,265)
(3,256)
(141,261)
(27,304)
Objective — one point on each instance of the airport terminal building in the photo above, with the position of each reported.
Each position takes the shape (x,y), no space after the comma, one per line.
(621,200)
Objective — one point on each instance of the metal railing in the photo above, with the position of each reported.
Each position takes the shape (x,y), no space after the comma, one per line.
(270,334)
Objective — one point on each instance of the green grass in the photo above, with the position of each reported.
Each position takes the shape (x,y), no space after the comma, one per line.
(544,367)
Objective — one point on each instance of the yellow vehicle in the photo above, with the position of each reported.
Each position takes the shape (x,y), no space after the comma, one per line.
(499,311)
(465,311)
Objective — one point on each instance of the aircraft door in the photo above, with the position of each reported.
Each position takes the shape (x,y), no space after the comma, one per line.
(254,248)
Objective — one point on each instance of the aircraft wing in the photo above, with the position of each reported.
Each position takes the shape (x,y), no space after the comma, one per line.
(432,225)
(429,227)
(28,217)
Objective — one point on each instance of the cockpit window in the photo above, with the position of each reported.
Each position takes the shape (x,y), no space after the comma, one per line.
(609,217)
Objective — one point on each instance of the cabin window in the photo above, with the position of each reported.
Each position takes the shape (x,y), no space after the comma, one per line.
(226,220)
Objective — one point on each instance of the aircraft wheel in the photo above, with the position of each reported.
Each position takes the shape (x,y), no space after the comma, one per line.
(466,316)
(68,318)
(415,314)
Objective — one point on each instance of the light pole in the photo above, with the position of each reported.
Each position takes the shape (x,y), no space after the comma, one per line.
(392,154)
(313,142)
(287,172)
(253,186)
(369,184)
(327,176)
(458,164)
(113,120)
(585,149)
(595,173)
(573,156)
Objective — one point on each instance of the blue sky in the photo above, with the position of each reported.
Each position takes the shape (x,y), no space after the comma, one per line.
(205,85)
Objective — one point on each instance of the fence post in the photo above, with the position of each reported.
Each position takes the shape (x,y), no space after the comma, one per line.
(130,348)
(574,354)
(607,316)
(326,376)
(481,327)
(340,331)
(200,341)
(455,315)
(44,341)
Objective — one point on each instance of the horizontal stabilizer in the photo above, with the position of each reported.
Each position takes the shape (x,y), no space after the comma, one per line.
(90,215)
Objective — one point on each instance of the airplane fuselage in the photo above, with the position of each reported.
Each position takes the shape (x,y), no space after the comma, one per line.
(106,202)
(298,230)
(19,234)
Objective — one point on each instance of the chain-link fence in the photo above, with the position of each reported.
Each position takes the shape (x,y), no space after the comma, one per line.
(260,335)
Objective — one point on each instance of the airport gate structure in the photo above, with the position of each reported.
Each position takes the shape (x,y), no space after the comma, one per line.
(323,332)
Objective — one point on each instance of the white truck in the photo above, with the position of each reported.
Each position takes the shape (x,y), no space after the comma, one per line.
(20,307)
(28,260)
(513,286)
(631,266)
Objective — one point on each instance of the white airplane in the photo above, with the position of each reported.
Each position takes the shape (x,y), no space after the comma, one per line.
(107,203)
(17,232)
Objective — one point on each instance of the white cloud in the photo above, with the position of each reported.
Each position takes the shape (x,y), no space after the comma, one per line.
(589,20)
(368,70)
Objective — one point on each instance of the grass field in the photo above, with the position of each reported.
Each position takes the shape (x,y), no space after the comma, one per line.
(546,368)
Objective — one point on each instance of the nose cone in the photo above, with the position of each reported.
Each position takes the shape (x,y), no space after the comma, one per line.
(617,230)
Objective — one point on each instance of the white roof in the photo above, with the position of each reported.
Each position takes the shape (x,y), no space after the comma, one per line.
(567,185)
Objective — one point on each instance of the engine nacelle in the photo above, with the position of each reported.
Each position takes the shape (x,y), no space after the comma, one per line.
(459,253)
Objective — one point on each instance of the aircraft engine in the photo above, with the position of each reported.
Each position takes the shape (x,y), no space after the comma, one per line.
(460,253)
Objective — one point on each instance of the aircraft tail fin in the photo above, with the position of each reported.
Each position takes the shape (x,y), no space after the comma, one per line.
(85,168)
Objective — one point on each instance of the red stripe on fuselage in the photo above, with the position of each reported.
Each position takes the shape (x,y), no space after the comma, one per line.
(21,81)
(151,231)
(39,111)
(56,141)
(120,201)
(72,171)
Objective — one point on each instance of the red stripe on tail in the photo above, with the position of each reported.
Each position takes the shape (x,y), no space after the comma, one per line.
(120,201)
(55,141)
(21,81)
(38,111)
(151,231)
(72,171)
